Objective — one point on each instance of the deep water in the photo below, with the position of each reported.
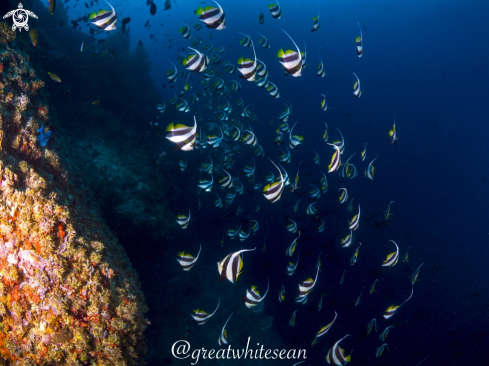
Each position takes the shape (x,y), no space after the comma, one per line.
(424,64)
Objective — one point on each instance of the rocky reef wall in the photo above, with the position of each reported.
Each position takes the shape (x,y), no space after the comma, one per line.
(68,293)
(106,146)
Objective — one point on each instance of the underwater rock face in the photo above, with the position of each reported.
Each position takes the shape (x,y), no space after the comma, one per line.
(7,35)
(68,293)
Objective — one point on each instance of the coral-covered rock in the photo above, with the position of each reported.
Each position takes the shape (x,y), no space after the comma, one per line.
(7,35)
(68,293)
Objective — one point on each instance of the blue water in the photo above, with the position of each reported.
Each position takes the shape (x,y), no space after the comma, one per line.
(425,63)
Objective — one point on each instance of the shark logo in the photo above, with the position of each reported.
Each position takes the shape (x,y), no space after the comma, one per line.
(20,17)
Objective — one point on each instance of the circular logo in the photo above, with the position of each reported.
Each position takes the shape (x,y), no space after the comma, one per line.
(20,17)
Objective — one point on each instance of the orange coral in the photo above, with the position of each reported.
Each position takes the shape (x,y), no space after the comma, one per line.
(61,233)
(14,294)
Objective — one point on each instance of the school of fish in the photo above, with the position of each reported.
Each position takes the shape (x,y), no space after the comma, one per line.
(219,134)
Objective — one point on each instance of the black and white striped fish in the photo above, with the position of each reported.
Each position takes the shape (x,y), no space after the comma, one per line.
(219,84)
(315,192)
(316,158)
(261,82)
(200,316)
(284,116)
(385,333)
(275,10)
(356,87)
(196,62)
(291,267)
(273,191)
(393,133)
(336,355)
(291,249)
(250,139)
(226,181)
(321,71)
(285,156)
(372,324)
(182,136)
(279,139)
(354,257)
(182,106)
(213,18)
(174,99)
(291,60)
(311,209)
(415,275)
(281,296)
(185,31)
(161,107)
(392,258)
(347,240)
(263,41)
(233,233)
(249,170)
(183,220)
(273,90)
(247,67)
(324,329)
(187,261)
(359,41)
(292,318)
(183,164)
(218,202)
(306,286)
(324,103)
(246,113)
(315,24)
(355,221)
(363,155)
(292,227)
(246,41)
(370,172)
(209,46)
(340,144)
(381,349)
(172,74)
(104,19)
(261,18)
(335,159)
(344,195)
(253,298)
(391,310)
(223,338)
(230,68)
(261,69)
(230,267)
(295,140)
(324,183)
(235,86)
